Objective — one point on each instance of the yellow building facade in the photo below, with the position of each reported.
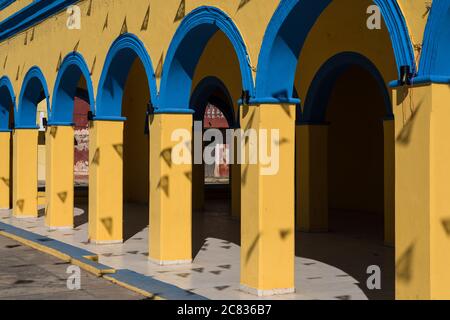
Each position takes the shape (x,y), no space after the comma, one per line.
(356,89)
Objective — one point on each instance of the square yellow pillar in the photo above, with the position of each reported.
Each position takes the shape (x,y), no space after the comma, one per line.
(267,206)
(235,182)
(59,177)
(170,239)
(5,170)
(312,177)
(25,173)
(106,182)
(422,188)
(389,182)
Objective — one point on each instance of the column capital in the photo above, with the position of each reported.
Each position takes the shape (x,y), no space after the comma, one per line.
(421,81)
(189,111)
(109,119)
(26,128)
(60,124)
(270,101)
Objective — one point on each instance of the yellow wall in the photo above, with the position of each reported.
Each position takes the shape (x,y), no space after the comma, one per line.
(422,184)
(93,41)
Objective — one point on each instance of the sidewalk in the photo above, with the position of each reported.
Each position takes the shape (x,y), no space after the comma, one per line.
(214,273)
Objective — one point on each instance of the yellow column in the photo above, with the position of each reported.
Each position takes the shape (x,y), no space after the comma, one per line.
(106,182)
(5,168)
(422,228)
(267,221)
(170,189)
(25,186)
(312,177)
(389,182)
(59,177)
(198,187)
(235,181)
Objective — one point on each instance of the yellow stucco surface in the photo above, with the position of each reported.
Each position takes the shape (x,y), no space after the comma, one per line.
(25,173)
(5,170)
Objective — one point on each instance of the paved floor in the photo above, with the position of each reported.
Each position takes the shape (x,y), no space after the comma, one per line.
(328,266)
(27,274)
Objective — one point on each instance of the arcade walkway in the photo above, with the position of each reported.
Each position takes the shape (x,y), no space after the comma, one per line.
(328,266)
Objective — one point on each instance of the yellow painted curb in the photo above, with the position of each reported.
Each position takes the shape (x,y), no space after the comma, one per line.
(39,247)
(134,289)
(91,269)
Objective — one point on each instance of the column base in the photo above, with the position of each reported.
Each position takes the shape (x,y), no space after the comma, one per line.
(104,243)
(266,293)
(25,217)
(170,262)
(60,228)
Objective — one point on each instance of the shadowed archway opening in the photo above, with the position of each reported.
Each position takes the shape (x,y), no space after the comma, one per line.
(81,109)
(350,101)
(207,44)
(71,104)
(126,92)
(213,179)
(7,109)
(136,153)
(32,110)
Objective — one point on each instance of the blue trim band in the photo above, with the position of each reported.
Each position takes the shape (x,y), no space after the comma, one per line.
(106,118)
(174,111)
(5,3)
(32,14)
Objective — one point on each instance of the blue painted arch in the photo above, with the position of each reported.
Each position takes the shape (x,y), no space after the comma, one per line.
(7,103)
(321,88)
(185,50)
(201,96)
(34,90)
(287,33)
(434,61)
(72,69)
(121,56)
